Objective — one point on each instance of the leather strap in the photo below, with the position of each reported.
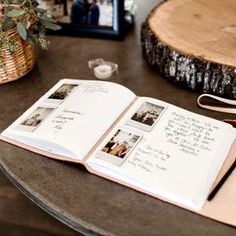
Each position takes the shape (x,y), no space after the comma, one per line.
(215,108)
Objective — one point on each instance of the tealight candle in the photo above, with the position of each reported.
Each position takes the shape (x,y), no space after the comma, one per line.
(103,71)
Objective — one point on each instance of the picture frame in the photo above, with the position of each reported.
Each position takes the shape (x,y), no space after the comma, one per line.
(111,20)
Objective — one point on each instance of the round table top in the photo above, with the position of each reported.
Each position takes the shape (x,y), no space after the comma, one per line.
(85,202)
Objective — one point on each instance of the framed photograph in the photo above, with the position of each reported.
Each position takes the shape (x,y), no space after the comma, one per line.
(35,119)
(146,116)
(118,148)
(94,18)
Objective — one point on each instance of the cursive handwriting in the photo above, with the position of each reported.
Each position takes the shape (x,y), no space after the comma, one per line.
(94,87)
(190,135)
(149,159)
(64,117)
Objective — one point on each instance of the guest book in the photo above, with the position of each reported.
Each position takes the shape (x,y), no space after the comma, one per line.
(143,143)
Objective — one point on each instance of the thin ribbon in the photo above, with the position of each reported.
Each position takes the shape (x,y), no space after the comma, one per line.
(216,108)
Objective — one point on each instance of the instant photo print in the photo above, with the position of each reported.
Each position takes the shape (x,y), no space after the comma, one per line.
(146,116)
(58,96)
(34,120)
(118,148)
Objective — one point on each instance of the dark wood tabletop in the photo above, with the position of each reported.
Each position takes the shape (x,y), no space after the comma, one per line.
(87,203)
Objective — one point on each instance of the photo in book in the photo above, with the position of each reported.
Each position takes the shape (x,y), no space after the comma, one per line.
(32,122)
(86,17)
(61,93)
(119,147)
(146,116)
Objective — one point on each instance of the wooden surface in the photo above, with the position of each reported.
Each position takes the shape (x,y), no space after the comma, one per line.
(20,216)
(201,28)
(88,204)
(192,42)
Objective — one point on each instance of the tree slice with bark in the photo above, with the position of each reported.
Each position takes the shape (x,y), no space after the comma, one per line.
(193,43)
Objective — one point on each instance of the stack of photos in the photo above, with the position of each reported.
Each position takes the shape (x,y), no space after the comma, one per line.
(41,113)
(121,144)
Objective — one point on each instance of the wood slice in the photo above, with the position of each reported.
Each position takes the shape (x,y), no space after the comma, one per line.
(193,43)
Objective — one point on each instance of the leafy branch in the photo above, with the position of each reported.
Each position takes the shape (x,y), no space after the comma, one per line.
(30,21)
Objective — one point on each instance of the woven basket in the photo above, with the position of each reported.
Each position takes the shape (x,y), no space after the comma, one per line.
(20,62)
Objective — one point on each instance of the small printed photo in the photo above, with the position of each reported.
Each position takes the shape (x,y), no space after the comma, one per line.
(119,147)
(33,121)
(146,116)
(61,93)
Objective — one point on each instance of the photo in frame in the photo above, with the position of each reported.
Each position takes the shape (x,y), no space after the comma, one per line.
(92,18)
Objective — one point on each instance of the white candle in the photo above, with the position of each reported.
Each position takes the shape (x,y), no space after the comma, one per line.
(103,71)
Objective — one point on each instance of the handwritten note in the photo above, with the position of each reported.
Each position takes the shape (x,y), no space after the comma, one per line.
(190,135)
(63,118)
(149,159)
(94,87)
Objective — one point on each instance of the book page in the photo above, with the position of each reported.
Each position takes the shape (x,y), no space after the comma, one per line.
(165,151)
(71,117)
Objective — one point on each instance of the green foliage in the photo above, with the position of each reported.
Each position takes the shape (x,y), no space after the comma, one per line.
(30,21)
(21,30)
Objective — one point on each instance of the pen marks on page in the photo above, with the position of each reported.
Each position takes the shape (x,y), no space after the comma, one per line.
(149,159)
(94,87)
(63,118)
(189,134)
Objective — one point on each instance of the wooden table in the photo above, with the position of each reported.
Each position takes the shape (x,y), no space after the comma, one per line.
(85,202)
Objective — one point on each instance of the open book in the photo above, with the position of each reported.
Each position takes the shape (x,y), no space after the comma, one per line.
(144,143)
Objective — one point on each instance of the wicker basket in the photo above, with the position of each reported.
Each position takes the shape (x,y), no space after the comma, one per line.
(20,62)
